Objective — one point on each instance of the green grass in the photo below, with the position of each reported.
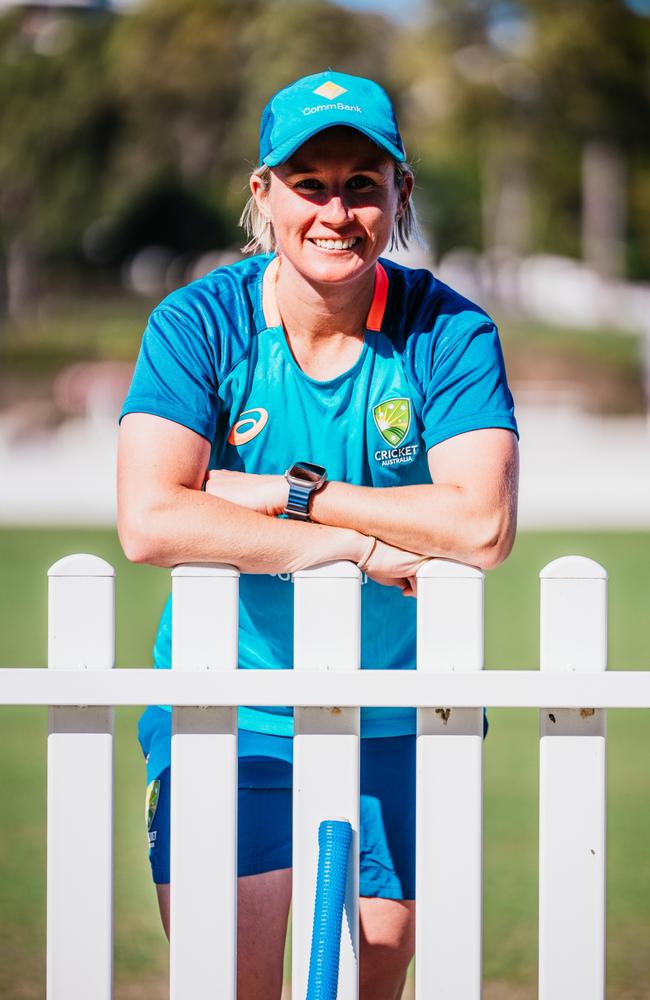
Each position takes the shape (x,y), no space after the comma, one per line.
(510,768)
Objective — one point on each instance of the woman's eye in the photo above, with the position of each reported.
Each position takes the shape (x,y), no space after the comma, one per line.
(309,184)
(360,181)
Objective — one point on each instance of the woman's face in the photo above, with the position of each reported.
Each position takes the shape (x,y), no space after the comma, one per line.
(333,205)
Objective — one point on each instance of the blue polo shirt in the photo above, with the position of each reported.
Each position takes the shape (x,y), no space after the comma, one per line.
(430,367)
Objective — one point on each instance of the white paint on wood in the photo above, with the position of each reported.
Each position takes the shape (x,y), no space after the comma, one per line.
(377,688)
(572,788)
(203,939)
(448,689)
(326,758)
(81,614)
(449,789)
(573,622)
(81,629)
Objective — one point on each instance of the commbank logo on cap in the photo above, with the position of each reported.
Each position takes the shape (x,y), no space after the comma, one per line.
(330,90)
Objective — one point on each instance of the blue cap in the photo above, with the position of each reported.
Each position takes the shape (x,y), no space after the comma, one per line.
(317,102)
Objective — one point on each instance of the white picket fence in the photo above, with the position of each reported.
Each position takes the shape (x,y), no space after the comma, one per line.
(449,689)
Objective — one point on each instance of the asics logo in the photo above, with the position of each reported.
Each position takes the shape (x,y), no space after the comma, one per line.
(248,426)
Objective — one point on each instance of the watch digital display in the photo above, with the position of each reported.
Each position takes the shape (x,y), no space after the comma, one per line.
(306,472)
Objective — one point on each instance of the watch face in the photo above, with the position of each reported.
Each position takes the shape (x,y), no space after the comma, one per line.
(306,472)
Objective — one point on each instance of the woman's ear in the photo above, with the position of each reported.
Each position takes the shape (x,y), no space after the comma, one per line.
(260,191)
(405,192)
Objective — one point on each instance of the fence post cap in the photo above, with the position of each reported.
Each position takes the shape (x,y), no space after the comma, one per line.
(81,564)
(205,569)
(339,569)
(448,569)
(573,568)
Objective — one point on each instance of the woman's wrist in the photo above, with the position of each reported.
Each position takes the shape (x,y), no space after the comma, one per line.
(343,544)
(323,544)
(356,544)
(371,544)
(281,493)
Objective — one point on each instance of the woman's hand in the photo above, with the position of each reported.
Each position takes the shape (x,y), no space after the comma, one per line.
(393,567)
(265,494)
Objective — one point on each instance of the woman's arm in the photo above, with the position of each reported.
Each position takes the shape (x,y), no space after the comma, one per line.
(165,519)
(468,513)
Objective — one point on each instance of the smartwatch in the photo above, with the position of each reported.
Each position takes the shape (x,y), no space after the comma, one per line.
(304,479)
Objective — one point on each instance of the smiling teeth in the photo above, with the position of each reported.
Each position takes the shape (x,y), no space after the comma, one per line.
(337,244)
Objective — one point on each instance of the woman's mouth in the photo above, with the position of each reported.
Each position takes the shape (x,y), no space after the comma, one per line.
(337,244)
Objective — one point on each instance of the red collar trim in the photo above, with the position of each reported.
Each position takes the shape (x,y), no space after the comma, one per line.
(379,299)
(272,316)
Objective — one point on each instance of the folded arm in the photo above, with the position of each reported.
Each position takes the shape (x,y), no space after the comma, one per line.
(164,518)
(468,513)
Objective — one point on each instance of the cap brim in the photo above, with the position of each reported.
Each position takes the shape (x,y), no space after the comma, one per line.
(282,152)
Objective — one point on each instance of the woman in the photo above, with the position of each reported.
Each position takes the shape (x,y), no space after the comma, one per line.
(383,393)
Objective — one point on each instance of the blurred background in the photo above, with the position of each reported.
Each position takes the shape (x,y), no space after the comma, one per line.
(127,132)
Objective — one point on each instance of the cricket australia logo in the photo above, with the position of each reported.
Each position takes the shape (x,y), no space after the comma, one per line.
(393,421)
(151,802)
(150,807)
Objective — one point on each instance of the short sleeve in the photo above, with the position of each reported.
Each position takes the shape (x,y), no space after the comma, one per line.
(175,374)
(468,388)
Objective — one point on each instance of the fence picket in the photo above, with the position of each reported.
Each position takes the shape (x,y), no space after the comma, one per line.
(203,939)
(326,759)
(81,636)
(573,638)
(449,789)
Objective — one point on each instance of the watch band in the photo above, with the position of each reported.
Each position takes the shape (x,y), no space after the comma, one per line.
(304,479)
(298,502)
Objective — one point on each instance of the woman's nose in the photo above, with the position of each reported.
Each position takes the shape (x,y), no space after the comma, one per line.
(335,211)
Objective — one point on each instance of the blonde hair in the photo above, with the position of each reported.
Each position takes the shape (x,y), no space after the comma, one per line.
(259,228)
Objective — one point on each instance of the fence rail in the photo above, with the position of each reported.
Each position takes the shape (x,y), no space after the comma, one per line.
(326,687)
(370,689)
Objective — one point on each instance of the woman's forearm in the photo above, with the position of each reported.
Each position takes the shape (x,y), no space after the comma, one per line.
(191,526)
(436,520)
(468,512)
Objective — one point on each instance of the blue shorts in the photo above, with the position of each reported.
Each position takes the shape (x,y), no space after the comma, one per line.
(387,828)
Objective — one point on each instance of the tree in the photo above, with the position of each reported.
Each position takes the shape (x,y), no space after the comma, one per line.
(194,76)
(592,59)
(60,115)
(143,126)
(540,94)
